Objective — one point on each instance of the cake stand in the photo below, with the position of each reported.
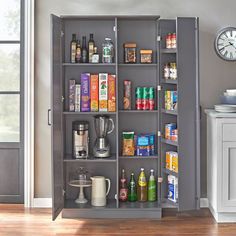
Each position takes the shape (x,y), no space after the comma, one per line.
(81,184)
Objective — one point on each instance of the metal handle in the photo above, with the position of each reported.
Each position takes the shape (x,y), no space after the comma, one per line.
(109,186)
(112,126)
(49,120)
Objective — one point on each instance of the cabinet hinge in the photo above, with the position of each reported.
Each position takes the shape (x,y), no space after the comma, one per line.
(114,28)
(158,87)
(62,99)
(159,179)
(159,134)
(63,192)
(116,196)
(158,38)
(62,33)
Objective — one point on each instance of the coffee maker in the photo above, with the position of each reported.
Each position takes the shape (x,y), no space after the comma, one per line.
(80,131)
(102,147)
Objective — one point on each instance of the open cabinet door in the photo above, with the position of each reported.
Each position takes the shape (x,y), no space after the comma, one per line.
(188,110)
(57,108)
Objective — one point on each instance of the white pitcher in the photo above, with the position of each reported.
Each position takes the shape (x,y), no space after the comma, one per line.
(99,192)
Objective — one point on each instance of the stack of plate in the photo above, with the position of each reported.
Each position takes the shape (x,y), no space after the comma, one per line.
(225,108)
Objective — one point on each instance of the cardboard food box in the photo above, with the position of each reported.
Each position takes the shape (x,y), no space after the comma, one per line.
(111,93)
(168,161)
(77,97)
(85,92)
(71,95)
(103,91)
(94,92)
(175,162)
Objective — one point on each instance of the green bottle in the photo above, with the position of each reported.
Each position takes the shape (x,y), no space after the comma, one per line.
(152,188)
(132,191)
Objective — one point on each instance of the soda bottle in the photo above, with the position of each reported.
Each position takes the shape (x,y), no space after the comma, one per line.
(132,191)
(152,188)
(142,187)
(123,195)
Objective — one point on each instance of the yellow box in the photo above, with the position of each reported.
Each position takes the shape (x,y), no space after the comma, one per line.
(175,161)
(168,161)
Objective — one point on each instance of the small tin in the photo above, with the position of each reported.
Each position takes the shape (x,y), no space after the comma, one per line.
(130,54)
(145,56)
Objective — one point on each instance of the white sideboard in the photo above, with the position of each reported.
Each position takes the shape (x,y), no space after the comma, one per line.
(221,165)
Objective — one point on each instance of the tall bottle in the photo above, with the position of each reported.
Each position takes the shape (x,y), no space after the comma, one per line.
(132,191)
(84,51)
(73,44)
(78,52)
(142,187)
(152,187)
(123,194)
(91,45)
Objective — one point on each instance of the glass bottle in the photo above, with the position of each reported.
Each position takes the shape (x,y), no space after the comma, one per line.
(84,51)
(78,52)
(95,57)
(132,190)
(142,187)
(152,187)
(73,44)
(107,51)
(123,194)
(91,45)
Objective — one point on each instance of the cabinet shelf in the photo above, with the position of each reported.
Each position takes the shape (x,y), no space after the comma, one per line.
(137,65)
(169,50)
(171,112)
(138,157)
(88,64)
(170,172)
(169,81)
(170,142)
(89,113)
(138,111)
(68,158)
(138,205)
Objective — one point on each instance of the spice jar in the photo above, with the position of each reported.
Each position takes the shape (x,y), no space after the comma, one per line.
(168,40)
(167,71)
(173,40)
(145,56)
(130,53)
(173,71)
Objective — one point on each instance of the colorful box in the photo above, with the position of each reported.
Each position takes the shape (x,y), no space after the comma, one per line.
(171,100)
(77,97)
(111,93)
(175,165)
(103,91)
(172,188)
(71,95)
(169,130)
(94,92)
(168,161)
(85,92)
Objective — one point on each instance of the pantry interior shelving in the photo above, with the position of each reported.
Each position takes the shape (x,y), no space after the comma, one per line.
(144,30)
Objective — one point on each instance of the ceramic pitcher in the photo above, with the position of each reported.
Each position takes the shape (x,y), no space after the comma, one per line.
(99,191)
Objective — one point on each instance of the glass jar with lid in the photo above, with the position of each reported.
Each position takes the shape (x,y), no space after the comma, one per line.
(130,55)
(107,51)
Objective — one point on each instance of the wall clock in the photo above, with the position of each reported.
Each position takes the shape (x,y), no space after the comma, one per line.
(225,44)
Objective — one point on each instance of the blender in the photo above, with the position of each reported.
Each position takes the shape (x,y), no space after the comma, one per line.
(102,147)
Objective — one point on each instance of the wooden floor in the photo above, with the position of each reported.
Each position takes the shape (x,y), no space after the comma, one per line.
(15,220)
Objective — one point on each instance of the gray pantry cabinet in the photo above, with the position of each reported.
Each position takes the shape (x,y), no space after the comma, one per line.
(149,32)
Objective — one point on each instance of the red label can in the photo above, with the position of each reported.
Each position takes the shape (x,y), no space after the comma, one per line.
(145,104)
(139,104)
(151,104)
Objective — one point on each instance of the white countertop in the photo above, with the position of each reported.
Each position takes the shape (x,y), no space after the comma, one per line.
(213,113)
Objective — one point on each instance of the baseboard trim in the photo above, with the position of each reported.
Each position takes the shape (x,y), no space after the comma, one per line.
(47,203)
(204,203)
(42,202)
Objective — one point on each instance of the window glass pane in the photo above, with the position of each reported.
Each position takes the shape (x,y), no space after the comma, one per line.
(9,118)
(10,67)
(10,19)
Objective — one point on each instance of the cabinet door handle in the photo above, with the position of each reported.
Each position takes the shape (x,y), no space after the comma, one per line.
(49,117)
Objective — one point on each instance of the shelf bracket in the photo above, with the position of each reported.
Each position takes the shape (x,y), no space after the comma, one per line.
(114,28)
(158,87)
(62,34)
(159,134)
(159,179)
(62,99)
(158,38)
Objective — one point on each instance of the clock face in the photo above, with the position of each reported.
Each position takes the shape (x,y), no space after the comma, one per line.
(225,44)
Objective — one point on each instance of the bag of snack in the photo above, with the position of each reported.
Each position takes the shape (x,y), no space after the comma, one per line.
(128,144)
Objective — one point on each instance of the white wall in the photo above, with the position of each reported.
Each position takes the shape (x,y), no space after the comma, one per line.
(216,74)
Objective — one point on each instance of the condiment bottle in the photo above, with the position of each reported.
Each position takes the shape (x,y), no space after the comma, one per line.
(123,195)
(132,191)
(152,187)
(78,52)
(84,51)
(73,44)
(91,45)
(142,187)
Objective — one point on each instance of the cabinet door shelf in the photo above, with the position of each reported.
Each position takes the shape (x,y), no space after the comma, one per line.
(169,50)
(143,205)
(138,111)
(89,113)
(137,157)
(171,112)
(88,64)
(169,81)
(137,64)
(169,172)
(170,142)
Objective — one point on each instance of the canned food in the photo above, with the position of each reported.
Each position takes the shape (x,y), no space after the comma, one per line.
(145,102)
(139,96)
(151,99)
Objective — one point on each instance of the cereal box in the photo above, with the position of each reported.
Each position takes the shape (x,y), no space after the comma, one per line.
(168,161)
(175,162)
(111,93)
(171,100)
(71,95)
(94,92)
(77,97)
(169,129)
(172,188)
(85,94)
(103,84)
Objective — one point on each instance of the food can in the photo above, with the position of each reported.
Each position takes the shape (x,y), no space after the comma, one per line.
(151,98)
(139,96)
(173,40)
(145,102)
(168,41)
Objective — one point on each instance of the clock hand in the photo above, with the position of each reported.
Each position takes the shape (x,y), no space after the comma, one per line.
(231,44)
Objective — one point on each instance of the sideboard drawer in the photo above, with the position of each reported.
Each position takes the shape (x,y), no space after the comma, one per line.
(229,132)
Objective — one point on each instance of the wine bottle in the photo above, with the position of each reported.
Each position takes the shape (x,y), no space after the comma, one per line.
(91,45)
(84,51)
(73,44)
